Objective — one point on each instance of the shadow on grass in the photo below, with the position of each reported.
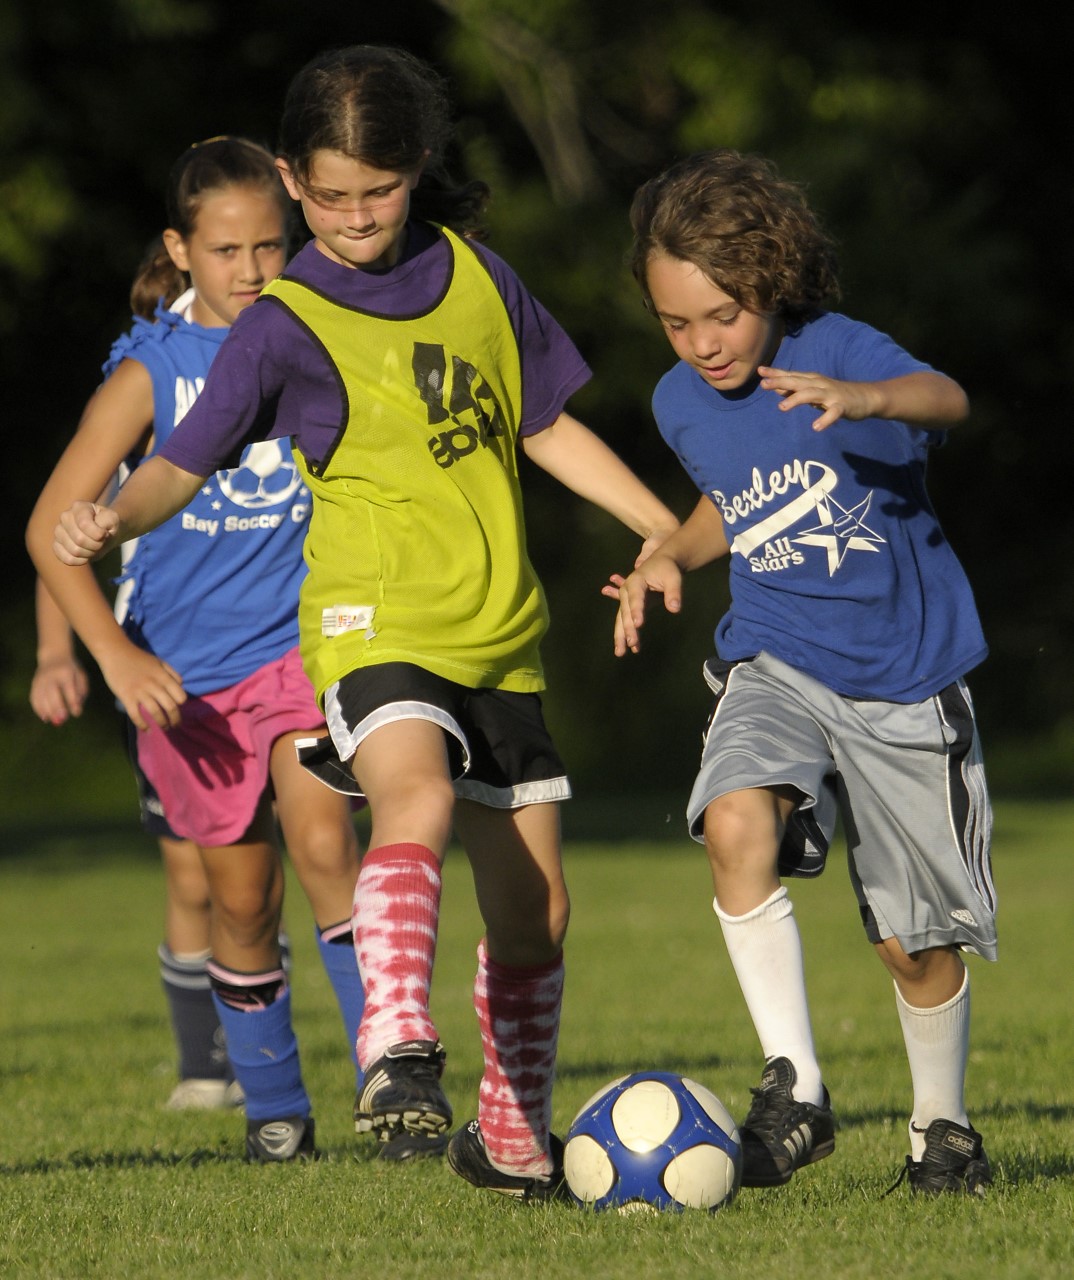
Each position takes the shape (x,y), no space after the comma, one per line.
(81,1160)
(1023,1169)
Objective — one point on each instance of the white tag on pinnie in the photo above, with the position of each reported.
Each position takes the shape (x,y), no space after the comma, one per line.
(338,618)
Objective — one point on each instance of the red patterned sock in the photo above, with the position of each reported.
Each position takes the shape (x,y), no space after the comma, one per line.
(396,914)
(518,1011)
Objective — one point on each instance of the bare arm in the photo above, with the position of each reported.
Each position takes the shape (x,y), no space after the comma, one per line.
(157,491)
(59,686)
(115,424)
(699,541)
(924,399)
(582,461)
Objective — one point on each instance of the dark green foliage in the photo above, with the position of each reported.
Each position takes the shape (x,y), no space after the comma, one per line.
(936,151)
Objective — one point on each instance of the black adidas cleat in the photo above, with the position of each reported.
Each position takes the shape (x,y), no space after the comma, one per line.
(954,1161)
(277,1141)
(402,1095)
(467,1157)
(781,1135)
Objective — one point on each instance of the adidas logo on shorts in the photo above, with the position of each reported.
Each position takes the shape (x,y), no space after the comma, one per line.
(965,916)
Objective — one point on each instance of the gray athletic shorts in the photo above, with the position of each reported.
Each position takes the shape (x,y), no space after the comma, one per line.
(499,751)
(906,779)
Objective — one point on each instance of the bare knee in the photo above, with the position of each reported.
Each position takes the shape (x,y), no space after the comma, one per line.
(324,845)
(924,978)
(743,830)
(418,810)
(184,872)
(249,915)
(533,934)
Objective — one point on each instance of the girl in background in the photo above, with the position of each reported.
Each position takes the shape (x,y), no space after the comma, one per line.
(58,692)
(205,663)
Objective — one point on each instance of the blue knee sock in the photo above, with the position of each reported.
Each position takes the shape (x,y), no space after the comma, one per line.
(264,1054)
(340,963)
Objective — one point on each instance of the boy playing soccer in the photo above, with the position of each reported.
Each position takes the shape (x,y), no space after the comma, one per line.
(838,679)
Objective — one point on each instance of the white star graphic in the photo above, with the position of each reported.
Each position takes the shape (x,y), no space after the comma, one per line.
(841,531)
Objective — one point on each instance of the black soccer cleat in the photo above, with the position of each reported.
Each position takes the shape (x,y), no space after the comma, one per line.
(467,1157)
(402,1095)
(277,1141)
(954,1161)
(781,1135)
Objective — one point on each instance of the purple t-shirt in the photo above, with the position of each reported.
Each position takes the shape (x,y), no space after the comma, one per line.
(271,380)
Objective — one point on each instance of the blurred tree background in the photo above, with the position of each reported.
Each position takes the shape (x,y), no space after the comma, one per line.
(937,151)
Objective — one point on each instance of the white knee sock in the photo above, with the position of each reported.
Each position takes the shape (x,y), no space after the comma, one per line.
(937,1046)
(765,949)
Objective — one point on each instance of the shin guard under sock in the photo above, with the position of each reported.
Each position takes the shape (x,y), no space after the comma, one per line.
(518,1011)
(765,949)
(396,917)
(336,945)
(937,1049)
(199,1039)
(261,1043)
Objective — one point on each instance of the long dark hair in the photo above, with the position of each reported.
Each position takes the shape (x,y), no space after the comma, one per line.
(389,110)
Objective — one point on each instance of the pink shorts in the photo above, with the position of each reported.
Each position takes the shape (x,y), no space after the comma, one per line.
(212,769)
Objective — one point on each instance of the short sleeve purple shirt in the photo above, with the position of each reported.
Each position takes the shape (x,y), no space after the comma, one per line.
(270,379)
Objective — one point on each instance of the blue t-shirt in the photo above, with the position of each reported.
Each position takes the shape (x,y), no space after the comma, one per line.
(838,563)
(214,590)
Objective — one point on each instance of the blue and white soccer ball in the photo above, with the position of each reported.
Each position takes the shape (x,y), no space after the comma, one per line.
(653,1139)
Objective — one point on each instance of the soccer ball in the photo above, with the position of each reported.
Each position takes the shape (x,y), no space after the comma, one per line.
(653,1139)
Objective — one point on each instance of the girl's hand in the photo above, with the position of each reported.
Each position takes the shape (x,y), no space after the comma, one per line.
(850,400)
(85,531)
(59,689)
(148,688)
(658,573)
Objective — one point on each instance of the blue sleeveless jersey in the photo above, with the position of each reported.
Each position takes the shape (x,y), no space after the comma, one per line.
(838,562)
(214,590)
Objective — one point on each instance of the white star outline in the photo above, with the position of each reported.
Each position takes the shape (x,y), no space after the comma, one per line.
(842,532)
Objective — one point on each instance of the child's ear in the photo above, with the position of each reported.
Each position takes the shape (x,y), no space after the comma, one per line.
(176,247)
(415,176)
(287,178)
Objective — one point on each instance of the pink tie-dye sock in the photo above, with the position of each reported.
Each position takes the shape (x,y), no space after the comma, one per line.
(518,1011)
(396,914)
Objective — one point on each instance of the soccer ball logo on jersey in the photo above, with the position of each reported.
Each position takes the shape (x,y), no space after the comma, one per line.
(805,494)
(265,477)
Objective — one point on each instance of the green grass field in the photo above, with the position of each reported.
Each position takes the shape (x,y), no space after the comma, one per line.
(97,1180)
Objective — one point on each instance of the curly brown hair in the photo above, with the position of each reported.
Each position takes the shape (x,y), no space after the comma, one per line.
(746,229)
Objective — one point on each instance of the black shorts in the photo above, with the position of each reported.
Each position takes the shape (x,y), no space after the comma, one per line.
(150,810)
(499,750)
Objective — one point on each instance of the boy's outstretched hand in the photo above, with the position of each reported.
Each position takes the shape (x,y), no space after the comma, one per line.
(924,398)
(85,531)
(834,398)
(657,573)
